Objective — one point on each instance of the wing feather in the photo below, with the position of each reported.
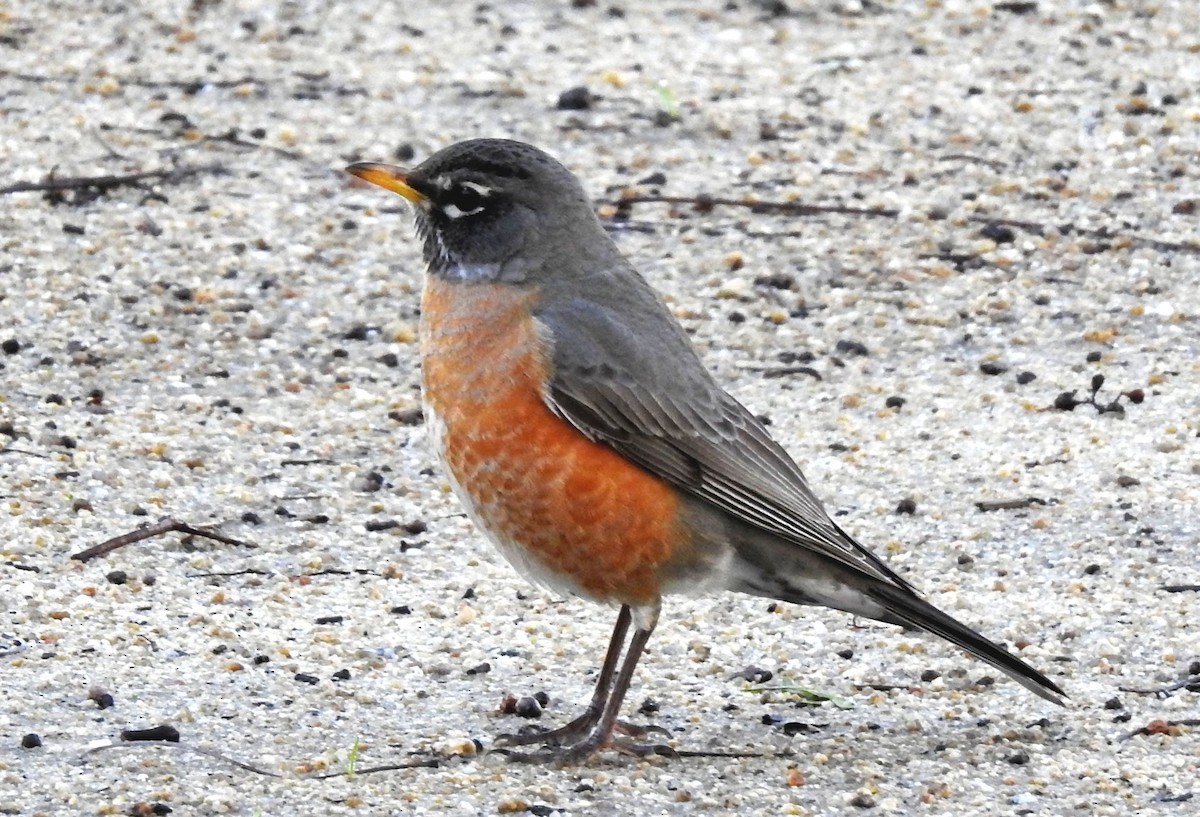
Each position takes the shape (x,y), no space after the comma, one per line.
(661,409)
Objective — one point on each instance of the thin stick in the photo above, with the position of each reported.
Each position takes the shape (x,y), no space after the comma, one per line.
(102,183)
(164,525)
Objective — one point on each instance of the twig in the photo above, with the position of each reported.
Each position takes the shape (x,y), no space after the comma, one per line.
(424,763)
(707,203)
(1181,588)
(184,747)
(704,204)
(1191,684)
(1160,727)
(1009,504)
(165,525)
(430,763)
(170,175)
(787,371)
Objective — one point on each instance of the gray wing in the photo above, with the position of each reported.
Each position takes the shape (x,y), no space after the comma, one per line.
(652,400)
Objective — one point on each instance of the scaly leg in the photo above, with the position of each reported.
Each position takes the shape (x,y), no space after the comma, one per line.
(594,729)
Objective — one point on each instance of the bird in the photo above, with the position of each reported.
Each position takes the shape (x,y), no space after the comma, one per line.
(584,436)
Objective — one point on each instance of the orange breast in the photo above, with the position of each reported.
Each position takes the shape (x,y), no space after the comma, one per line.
(561,508)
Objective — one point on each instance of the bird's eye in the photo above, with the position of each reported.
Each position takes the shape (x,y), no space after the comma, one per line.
(464,199)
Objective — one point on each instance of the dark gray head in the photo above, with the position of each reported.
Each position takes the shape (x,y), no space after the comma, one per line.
(495,209)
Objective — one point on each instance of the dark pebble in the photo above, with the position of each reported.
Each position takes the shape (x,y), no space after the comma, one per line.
(377,525)
(220,649)
(862,801)
(578,98)
(542,697)
(480,669)
(31,741)
(305,678)
(259,660)
(527,706)
(73,229)
(1026,377)
(999,233)
(1114,703)
(771,719)
(164,732)
(895,401)
(102,699)
(992,369)
(331,619)
(360,332)
(793,728)
(390,360)
(1066,401)
(776,280)
(416,526)
(404,152)
(341,675)
(906,506)
(401,610)
(1092,569)
(1018,758)
(648,707)
(736,317)
(847,654)
(11,346)
(930,675)
(656,179)
(852,348)
(965,559)
(117,576)
(755,675)
(251,518)
(1093,357)
(407,417)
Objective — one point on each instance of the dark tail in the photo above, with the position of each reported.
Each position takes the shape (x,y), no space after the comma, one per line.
(913,611)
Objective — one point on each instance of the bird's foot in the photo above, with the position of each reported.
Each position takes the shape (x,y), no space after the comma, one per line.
(580,739)
(576,732)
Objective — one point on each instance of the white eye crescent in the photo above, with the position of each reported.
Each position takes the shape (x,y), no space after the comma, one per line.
(452,210)
(462,198)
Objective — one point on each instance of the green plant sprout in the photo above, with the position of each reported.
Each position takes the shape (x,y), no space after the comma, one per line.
(806,694)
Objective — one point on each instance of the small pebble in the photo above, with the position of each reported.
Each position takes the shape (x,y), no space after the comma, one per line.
(528,706)
(578,98)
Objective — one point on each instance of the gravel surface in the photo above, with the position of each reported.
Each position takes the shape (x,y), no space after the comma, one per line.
(1012,205)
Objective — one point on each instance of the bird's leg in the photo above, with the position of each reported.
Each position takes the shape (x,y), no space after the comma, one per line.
(593,731)
(579,727)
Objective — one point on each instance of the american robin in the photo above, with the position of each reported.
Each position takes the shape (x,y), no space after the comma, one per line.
(586,439)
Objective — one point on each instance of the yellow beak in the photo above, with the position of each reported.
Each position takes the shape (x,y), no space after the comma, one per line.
(388,177)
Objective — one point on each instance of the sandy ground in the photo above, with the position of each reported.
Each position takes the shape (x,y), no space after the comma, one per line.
(230,341)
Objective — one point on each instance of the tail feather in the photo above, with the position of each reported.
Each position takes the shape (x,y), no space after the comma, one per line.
(913,611)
